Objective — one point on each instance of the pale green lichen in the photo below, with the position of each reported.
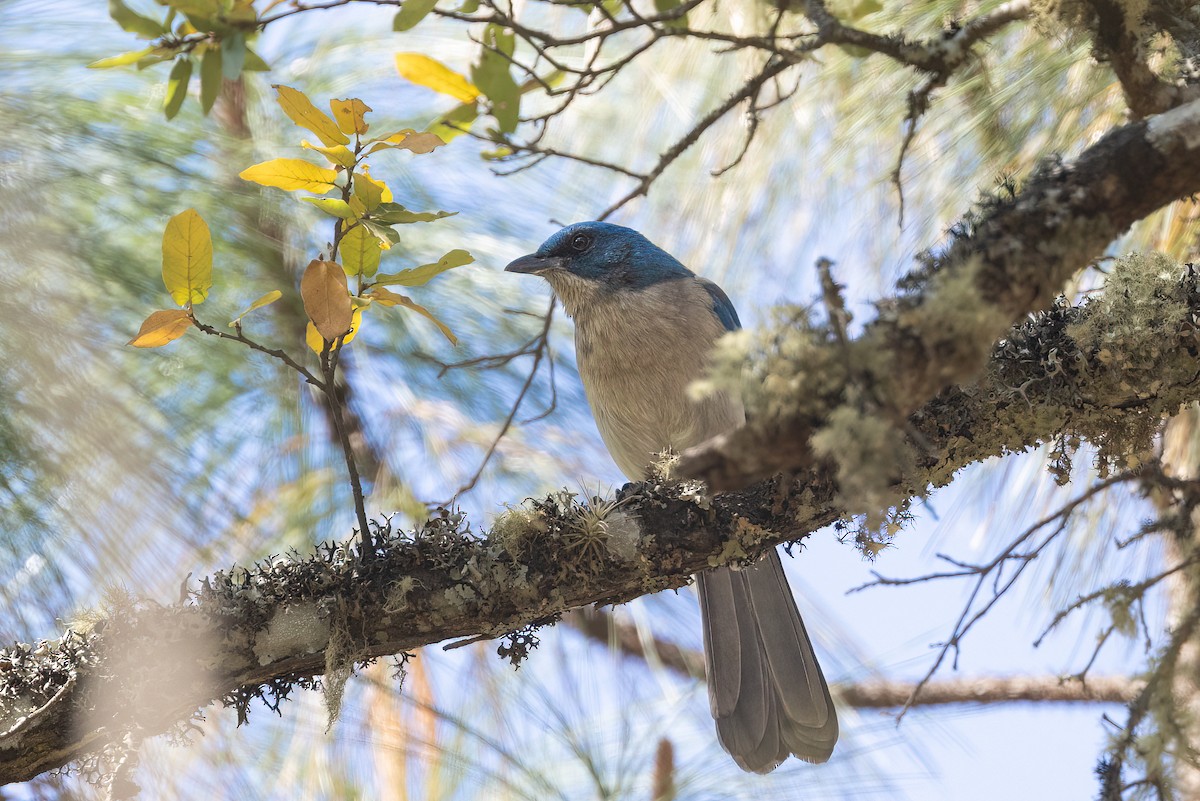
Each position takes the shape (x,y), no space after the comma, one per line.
(1133,328)
(955,324)
(340,656)
(870,455)
(397,595)
(784,370)
(516,528)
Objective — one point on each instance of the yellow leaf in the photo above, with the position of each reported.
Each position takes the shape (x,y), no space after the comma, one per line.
(421,275)
(162,327)
(326,298)
(360,252)
(338,154)
(333,206)
(432,74)
(316,344)
(389,298)
(187,258)
(371,192)
(357,206)
(300,109)
(291,174)
(349,115)
(311,338)
(355,324)
(265,300)
(121,60)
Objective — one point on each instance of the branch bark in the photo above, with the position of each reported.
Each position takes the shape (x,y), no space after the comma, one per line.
(1008,259)
(256,632)
(600,627)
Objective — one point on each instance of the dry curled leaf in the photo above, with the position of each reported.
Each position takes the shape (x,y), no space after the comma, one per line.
(326,298)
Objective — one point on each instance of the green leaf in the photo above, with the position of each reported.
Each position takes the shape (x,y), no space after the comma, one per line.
(360,252)
(233,55)
(255,63)
(494,79)
(456,122)
(395,214)
(859,9)
(156,55)
(121,60)
(177,86)
(133,22)
(390,235)
(210,78)
(371,192)
(197,9)
(663,6)
(422,275)
(411,13)
(333,206)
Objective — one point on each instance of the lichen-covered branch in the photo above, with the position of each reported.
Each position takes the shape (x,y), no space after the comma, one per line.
(1108,371)
(1123,39)
(1008,258)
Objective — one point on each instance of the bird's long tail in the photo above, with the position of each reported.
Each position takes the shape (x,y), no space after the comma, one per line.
(765,687)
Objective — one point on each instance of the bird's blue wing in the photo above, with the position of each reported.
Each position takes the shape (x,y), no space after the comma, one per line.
(722,305)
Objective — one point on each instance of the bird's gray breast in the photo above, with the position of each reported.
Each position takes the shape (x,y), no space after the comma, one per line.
(638,351)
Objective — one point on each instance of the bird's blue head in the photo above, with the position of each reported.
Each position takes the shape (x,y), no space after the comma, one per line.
(603,255)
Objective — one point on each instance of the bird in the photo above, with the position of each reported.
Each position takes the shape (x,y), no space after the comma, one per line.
(645,327)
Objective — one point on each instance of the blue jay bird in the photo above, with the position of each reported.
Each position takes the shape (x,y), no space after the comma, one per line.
(644,330)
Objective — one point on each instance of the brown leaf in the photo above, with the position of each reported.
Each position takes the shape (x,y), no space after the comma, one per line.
(162,327)
(326,298)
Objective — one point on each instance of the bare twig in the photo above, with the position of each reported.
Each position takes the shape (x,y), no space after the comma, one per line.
(539,353)
(994,571)
(275,353)
(749,90)
(873,693)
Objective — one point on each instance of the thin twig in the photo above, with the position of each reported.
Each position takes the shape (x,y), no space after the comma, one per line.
(750,89)
(274,353)
(329,360)
(994,570)
(539,353)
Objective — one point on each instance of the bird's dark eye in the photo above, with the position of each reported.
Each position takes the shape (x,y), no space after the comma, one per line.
(581,242)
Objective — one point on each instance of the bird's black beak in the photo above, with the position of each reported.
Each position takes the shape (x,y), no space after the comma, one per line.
(534,264)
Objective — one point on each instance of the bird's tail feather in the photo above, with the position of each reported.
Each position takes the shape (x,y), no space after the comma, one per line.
(765,686)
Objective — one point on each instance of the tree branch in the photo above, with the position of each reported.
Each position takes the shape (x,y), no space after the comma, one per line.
(1007,259)
(1145,92)
(256,632)
(599,626)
